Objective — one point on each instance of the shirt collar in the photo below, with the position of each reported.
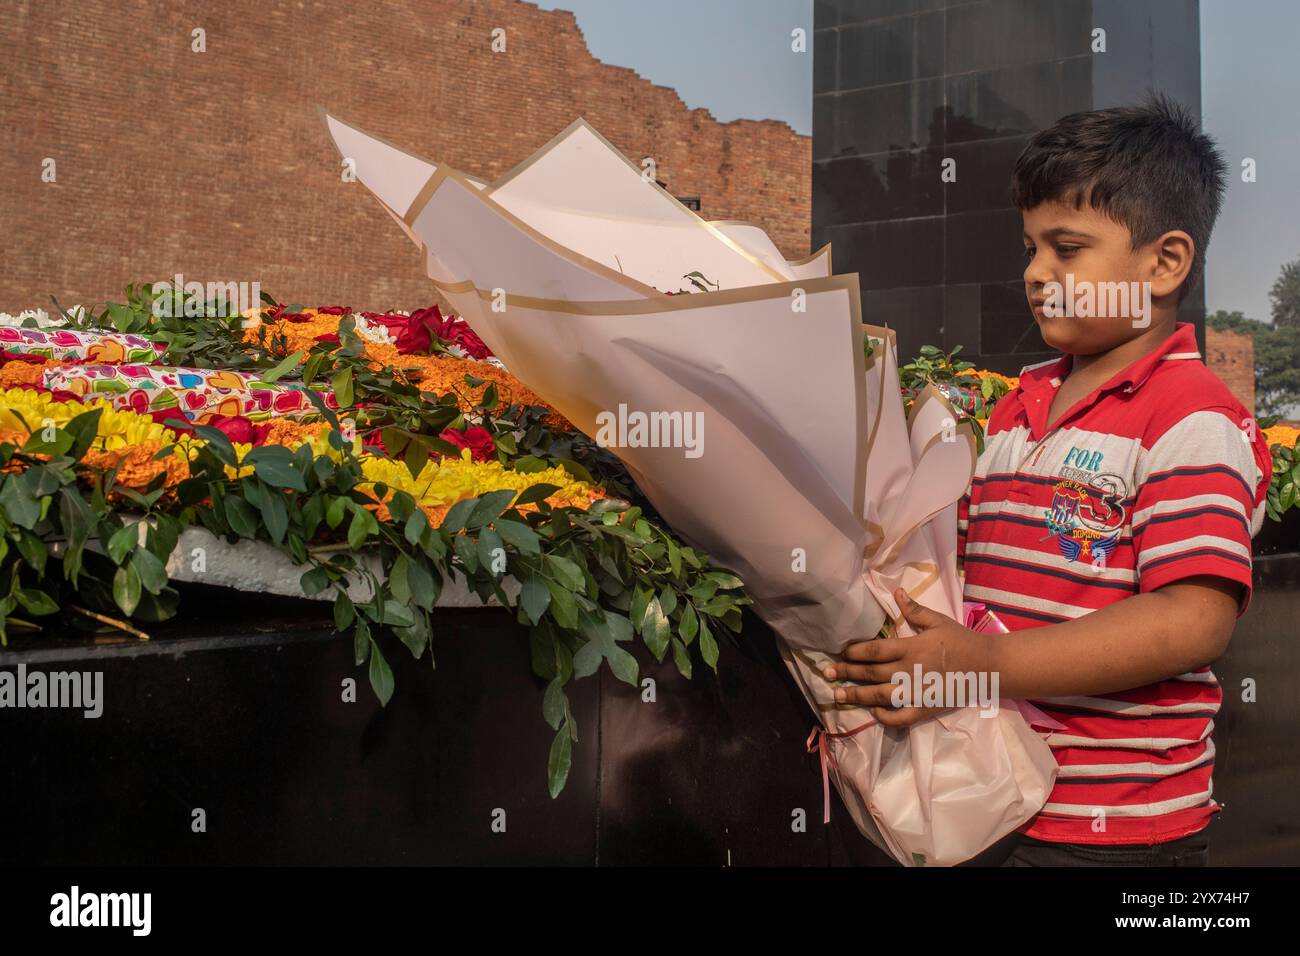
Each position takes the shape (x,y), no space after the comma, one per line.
(1180,345)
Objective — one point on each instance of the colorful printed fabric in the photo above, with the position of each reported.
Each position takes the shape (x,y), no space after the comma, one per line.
(200,394)
(967,399)
(65,345)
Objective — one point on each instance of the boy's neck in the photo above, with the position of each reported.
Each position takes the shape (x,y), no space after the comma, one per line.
(1099,367)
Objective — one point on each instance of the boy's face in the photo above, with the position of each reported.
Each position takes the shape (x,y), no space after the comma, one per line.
(1061,240)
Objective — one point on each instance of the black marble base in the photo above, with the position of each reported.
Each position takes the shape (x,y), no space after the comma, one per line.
(236,709)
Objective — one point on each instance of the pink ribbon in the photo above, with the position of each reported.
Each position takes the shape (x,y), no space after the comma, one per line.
(819,734)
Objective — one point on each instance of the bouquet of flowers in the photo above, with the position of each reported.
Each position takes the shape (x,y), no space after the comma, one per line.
(561,267)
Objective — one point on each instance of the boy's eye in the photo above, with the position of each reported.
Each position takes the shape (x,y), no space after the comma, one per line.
(1029,252)
(1067,250)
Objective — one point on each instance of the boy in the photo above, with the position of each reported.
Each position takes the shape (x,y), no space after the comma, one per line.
(1110,517)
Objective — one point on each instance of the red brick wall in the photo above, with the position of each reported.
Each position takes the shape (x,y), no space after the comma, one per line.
(215,164)
(1231,355)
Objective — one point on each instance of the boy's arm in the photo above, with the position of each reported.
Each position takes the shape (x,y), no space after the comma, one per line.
(1131,643)
(1137,641)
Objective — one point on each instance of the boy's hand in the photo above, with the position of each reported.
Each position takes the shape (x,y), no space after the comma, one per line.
(941,645)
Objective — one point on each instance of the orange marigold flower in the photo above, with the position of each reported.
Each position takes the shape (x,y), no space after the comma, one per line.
(1284,435)
(15,372)
(286,431)
(446,373)
(138,468)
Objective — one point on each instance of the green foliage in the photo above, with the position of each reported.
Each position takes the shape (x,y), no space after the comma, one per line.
(1284,490)
(581,572)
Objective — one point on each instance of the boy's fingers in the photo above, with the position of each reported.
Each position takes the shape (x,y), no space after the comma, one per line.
(918,615)
(881,649)
(863,673)
(865,695)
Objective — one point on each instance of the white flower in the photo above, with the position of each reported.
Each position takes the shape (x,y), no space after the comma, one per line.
(39,318)
(375,332)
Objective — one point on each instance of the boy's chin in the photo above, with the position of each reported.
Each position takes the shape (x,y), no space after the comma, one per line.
(1061,333)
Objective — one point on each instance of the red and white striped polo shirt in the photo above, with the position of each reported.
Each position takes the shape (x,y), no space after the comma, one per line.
(1156,476)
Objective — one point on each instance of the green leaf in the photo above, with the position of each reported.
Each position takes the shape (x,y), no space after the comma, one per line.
(554,703)
(415,526)
(284,368)
(454,519)
(675,559)
(335,512)
(240,516)
(361,640)
(564,609)
(534,598)
(314,581)
(36,602)
(275,514)
(491,552)
(342,384)
(397,580)
(23,508)
(523,538)
(622,664)
(587,660)
(682,659)
(274,464)
(640,599)
(689,624)
(83,429)
(655,629)
(708,647)
(559,762)
(152,572)
(489,507)
(564,572)
(344,612)
(725,580)
(122,541)
(417,456)
(126,589)
(37,445)
(359,529)
(219,443)
(423,590)
(397,615)
(381,675)
(535,493)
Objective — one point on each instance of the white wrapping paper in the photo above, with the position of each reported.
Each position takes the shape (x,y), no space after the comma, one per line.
(809,483)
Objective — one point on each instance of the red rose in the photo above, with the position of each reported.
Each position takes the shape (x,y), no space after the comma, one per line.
(467,339)
(415,337)
(242,430)
(331,337)
(334,310)
(476,438)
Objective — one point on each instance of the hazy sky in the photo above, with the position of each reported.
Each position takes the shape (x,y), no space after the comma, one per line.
(733,58)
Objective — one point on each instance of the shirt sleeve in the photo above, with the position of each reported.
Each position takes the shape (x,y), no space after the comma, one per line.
(1200,500)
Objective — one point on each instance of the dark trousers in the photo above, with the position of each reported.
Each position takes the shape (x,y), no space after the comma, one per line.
(1191,850)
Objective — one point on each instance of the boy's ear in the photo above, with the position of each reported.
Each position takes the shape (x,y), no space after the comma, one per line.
(1173,253)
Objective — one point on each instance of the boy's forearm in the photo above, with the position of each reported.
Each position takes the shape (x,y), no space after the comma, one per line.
(1131,643)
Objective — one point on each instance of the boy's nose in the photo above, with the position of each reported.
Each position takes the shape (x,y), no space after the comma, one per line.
(1037,274)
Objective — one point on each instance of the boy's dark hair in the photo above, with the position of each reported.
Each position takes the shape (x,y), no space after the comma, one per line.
(1149,168)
